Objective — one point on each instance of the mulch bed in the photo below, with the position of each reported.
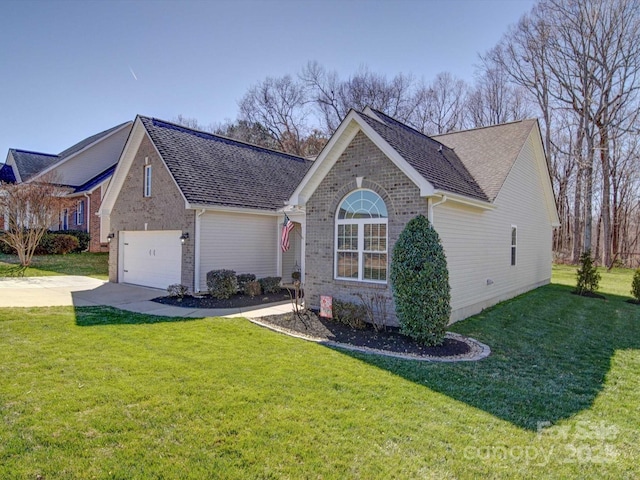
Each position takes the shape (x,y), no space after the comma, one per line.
(312,325)
(236,301)
(390,340)
(589,295)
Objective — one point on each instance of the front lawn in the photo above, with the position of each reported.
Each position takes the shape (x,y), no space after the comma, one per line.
(99,393)
(94,265)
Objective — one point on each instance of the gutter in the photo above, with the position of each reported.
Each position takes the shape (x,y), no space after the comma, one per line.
(431,205)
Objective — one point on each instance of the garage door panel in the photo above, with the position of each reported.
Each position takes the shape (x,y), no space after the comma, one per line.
(152,258)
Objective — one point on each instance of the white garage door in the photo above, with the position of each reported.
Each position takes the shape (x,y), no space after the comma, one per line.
(151,258)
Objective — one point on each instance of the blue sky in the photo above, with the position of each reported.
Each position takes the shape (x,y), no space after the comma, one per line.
(70,69)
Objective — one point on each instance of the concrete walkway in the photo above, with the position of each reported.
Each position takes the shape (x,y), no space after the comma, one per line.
(69,290)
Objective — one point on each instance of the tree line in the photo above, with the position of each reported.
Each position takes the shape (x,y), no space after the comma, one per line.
(573,64)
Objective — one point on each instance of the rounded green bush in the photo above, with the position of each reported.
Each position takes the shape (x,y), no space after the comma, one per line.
(420,280)
(635,285)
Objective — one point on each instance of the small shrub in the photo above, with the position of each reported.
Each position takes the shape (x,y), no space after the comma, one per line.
(375,307)
(5,248)
(420,280)
(635,285)
(83,238)
(56,244)
(587,275)
(270,284)
(222,283)
(178,290)
(351,314)
(243,279)
(252,288)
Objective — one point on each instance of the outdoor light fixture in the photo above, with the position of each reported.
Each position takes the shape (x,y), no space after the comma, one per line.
(110,237)
(184,237)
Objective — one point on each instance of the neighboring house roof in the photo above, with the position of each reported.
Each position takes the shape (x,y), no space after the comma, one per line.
(437,163)
(489,152)
(6,174)
(89,140)
(214,170)
(30,164)
(95,181)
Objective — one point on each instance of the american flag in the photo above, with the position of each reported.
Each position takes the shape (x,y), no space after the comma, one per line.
(287,226)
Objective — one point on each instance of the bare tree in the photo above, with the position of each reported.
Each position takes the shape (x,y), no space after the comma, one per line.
(440,106)
(30,210)
(280,106)
(334,97)
(582,57)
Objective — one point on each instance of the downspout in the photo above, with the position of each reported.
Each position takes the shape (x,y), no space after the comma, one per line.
(87,215)
(431,205)
(196,270)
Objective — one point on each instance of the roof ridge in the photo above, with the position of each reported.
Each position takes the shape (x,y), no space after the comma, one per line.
(216,136)
(34,152)
(90,140)
(408,127)
(512,122)
(464,172)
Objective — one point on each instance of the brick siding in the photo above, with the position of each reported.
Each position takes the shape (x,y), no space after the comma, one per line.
(163,210)
(402,197)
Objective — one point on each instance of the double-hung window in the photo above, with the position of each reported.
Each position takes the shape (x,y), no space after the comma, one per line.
(361,238)
(147,180)
(64,219)
(80,213)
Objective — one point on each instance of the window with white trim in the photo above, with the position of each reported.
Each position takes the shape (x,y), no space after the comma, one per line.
(64,219)
(80,213)
(147,180)
(361,238)
(514,243)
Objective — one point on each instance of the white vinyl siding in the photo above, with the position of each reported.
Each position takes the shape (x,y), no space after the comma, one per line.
(478,243)
(93,161)
(245,243)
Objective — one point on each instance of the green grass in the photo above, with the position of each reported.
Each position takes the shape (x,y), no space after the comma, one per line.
(94,265)
(99,393)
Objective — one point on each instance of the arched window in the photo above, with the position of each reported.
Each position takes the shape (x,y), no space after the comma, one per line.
(361,238)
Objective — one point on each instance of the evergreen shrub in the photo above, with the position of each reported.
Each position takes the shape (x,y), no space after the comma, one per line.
(222,283)
(420,281)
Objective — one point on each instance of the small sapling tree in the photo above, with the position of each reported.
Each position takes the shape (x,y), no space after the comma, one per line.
(587,275)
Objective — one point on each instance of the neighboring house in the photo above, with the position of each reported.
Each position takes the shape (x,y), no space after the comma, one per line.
(85,170)
(487,192)
(183,202)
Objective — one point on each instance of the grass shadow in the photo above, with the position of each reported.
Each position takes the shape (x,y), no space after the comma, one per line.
(100,316)
(11,270)
(551,353)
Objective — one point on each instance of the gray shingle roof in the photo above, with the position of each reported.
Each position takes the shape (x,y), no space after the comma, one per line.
(489,152)
(88,141)
(436,162)
(214,170)
(32,163)
(6,174)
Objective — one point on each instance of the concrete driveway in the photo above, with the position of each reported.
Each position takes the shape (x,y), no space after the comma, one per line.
(78,291)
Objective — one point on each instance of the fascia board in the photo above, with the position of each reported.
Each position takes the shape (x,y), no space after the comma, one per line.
(224,209)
